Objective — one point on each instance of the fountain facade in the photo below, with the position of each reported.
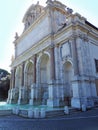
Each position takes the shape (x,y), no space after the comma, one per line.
(53,63)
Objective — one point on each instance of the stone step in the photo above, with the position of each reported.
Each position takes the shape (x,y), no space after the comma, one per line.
(54,113)
(73,110)
(57,113)
(23,113)
(50,113)
(5,112)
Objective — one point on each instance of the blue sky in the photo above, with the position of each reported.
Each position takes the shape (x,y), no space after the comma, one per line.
(12,12)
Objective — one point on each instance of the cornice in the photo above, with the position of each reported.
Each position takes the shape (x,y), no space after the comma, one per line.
(88,30)
(36,48)
(73,28)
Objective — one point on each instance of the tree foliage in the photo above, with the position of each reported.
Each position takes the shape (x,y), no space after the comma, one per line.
(4,84)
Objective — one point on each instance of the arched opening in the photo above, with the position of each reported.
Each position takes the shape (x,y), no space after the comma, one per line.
(28,77)
(44,77)
(44,69)
(68,76)
(18,77)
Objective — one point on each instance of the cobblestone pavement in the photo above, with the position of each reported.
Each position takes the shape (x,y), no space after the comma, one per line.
(79,121)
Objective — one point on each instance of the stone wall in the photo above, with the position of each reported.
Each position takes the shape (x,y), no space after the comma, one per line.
(33,36)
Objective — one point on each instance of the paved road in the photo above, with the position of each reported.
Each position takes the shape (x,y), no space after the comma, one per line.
(81,121)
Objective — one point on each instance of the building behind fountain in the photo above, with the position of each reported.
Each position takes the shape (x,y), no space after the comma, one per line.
(56,59)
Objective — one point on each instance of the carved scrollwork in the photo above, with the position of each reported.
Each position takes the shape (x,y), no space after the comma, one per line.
(32,14)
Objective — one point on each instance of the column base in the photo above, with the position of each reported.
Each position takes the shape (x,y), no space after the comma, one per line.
(22,101)
(35,102)
(31,102)
(53,102)
(12,101)
(78,102)
(8,101)
(9,96)
(12,96)
(90,102)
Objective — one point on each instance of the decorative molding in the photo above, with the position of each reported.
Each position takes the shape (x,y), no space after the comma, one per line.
(65,50)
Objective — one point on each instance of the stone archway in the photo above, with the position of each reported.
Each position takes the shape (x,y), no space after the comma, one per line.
(18,77)
(18,83)
(44,77)
(28,77)
(68,76)
(44,69)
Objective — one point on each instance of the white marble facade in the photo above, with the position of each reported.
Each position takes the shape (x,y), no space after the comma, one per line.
(54,61)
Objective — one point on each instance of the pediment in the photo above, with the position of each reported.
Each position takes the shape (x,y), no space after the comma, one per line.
(32,14)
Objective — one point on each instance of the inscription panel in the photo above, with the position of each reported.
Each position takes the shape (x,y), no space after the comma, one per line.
(33,37)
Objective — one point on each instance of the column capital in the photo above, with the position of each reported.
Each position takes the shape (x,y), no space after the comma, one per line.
(35,55)
(13,69)
(23,62)
(57,45)
(51,46)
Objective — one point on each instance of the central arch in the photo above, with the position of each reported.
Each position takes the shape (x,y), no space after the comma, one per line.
(44,69)
(68,76)
(44,77)
(28,77)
